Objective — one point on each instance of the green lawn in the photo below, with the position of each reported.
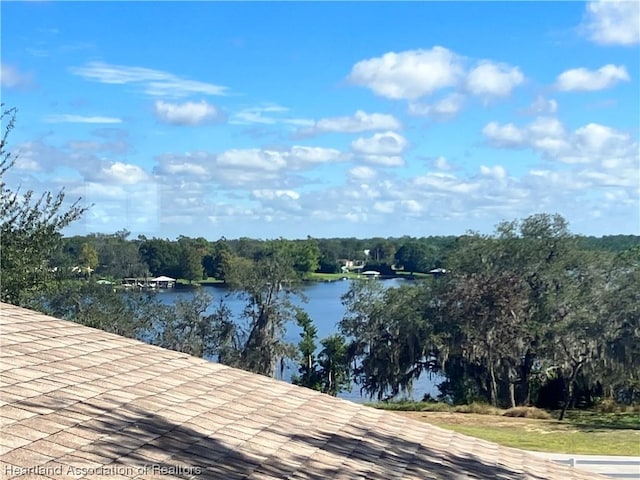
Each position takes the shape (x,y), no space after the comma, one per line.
(544,437)
(208,280)
(582,432)
(330,277)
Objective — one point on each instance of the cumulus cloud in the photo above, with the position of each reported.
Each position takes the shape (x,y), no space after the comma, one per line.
(187,113)
(507,135)
(410,74)
(591,144)
(303,157)
(383,160)
(441,163)
(497,171)
(254,158)
(71,118)
(120,173)
(414,74)
(581,79)
(446,108)
(613,22)
(493,79)
(11,77)
(155,83)
(266,194)
(542,105)
(360,121)
(387,143)
(252,166)
(362,173)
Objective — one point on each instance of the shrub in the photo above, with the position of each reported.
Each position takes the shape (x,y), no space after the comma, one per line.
(528,412)
(479,408)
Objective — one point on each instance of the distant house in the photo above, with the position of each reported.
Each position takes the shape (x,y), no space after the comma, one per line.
(348,265)
(82,270)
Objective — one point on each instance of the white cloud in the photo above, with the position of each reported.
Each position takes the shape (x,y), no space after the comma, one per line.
(121,173)
(387,143)
(362,173)
(542,105)
(254,167)
(497,171)
(596,145)
(493,79)
(188,113)
(300,156)
(444,182)
(613,22)
(153,82)
(266,194)
(581,79)
(410,74)
(11,77)
(268,114)
(441,163)
(383,160)
(414,74)
(186,168)
(503,135)
(70,118)
(254,159)
(251,115)
(446,108)
(356,123)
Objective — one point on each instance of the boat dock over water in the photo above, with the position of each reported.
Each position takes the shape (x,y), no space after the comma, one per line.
(148,282)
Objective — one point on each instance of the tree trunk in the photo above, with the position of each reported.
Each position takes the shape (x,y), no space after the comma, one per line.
(568,397)
(512,394)
(494,385)
(525,373)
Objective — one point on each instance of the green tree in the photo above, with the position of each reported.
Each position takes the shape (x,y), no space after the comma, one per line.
(267,285)
(161,256)
(130,314)
(306,255)
(415,256)
(191,264)
(334,365)
(308,370)
(217,263)
(31,228)
(387,335)
(88,257)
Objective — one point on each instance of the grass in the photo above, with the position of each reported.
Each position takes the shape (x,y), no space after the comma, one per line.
(206,281)
(330,277)
(582,432)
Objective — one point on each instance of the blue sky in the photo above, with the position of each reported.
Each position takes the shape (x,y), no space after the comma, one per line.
(327,119)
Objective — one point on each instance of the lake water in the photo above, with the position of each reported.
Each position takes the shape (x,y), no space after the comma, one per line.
(325,308)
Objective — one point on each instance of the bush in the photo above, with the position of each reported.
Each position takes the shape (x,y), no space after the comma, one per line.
(611,406)
(479,408)
(528,412)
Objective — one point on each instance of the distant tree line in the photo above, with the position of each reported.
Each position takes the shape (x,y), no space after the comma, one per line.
(117,256)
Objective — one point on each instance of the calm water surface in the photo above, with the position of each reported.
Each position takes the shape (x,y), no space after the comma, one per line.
(325,308)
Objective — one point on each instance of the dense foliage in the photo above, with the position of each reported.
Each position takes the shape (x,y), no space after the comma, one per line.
(30,228)
(524,316)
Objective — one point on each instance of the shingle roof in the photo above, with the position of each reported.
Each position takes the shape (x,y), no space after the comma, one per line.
(77,402)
